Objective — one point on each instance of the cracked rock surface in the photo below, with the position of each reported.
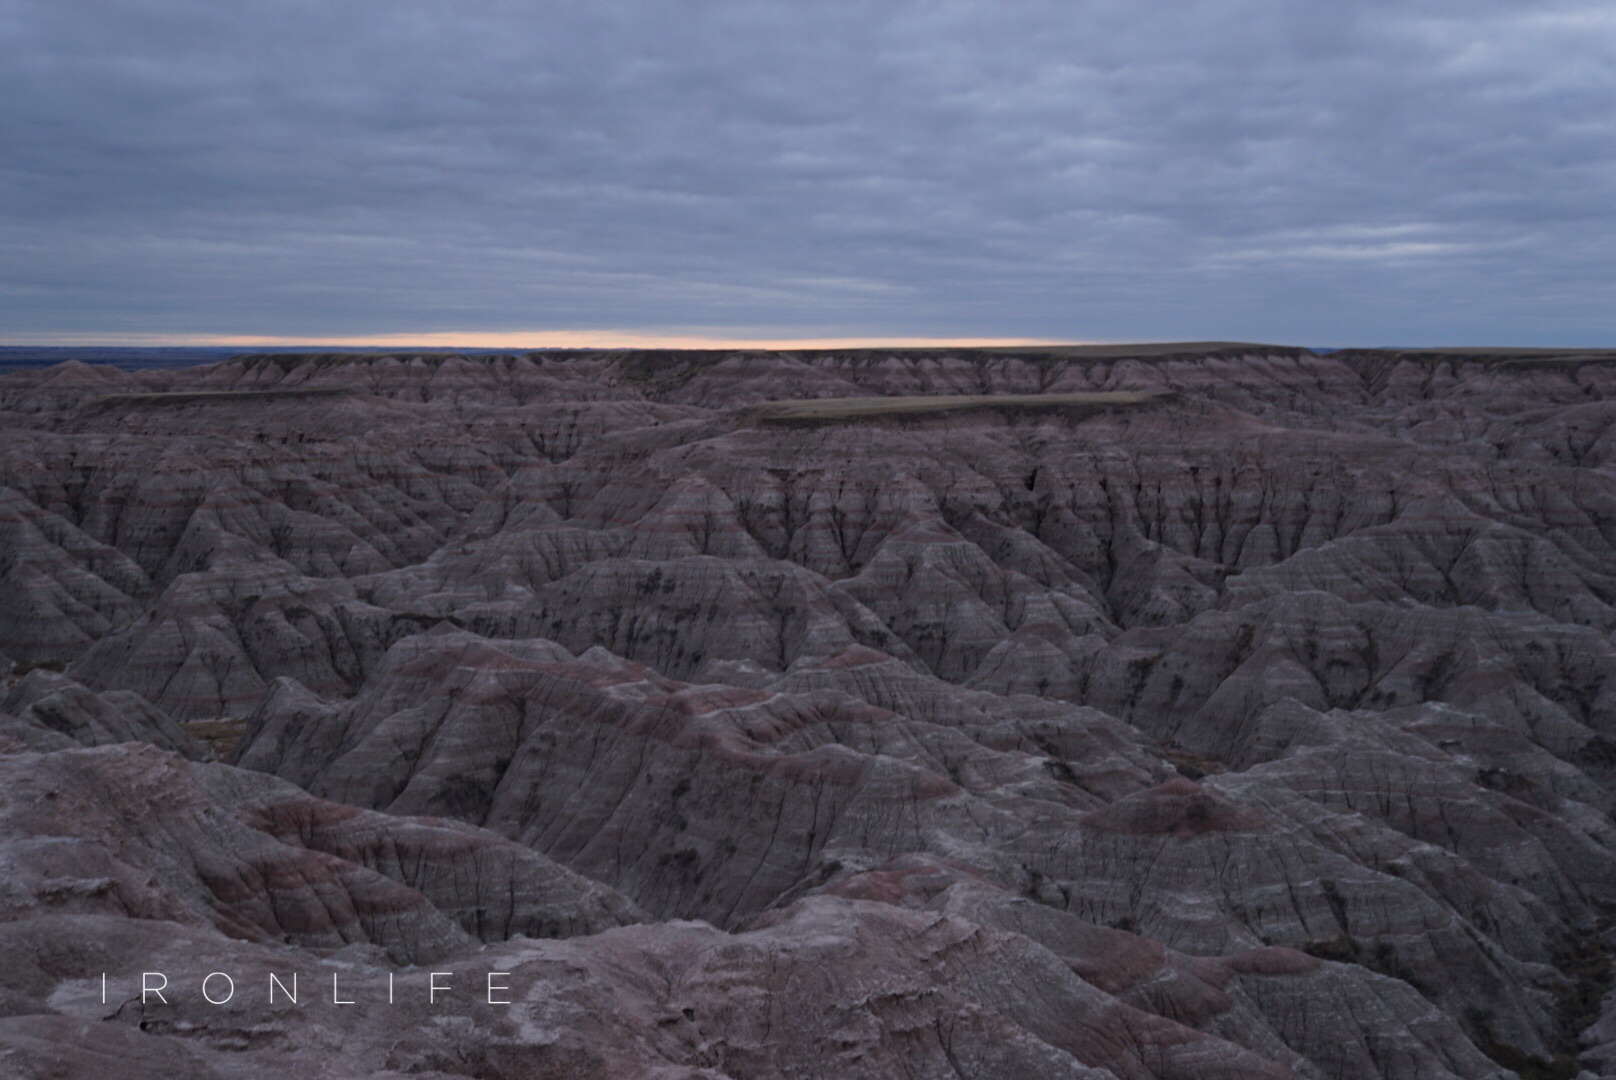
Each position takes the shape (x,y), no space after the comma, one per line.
(1227,712)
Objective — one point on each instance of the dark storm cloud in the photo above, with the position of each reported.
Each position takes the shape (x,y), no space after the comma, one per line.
(1302,171)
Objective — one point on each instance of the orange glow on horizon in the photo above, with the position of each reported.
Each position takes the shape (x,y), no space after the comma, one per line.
(520,339)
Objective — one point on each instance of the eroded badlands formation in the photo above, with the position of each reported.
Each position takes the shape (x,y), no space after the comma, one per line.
(1240,712)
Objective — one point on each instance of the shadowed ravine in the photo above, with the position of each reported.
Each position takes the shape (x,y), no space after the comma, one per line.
(1116,713)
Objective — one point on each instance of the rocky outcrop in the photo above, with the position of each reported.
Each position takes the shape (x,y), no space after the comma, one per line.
(721,803)
(828,986)
(130,830)
(46,705)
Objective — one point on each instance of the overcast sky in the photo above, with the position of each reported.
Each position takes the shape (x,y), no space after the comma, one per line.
(1283,170)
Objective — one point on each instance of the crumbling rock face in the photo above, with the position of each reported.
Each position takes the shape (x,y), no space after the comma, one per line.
(50,709)
(1254,717)
(132,830)
(825,987)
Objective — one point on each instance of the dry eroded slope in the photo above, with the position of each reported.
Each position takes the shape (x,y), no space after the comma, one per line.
(1237,712)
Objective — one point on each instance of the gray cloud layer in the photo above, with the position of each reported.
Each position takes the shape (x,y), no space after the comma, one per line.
(1282,169)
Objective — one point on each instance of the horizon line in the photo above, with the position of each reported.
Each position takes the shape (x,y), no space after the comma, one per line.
(521,339)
